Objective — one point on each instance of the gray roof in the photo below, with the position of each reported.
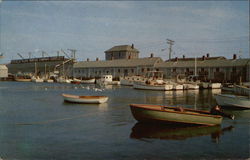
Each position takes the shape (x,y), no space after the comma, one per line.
(119,63)
(122,48)
(205,63)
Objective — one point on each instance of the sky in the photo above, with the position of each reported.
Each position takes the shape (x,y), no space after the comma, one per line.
(220,28)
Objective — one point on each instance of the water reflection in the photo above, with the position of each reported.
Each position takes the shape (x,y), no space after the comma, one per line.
(173,132)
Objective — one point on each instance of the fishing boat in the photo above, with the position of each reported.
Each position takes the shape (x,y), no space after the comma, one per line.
(154,81)
(233,100)
(76,81)
(129,80)
(84,99)
(152,86)
(88,81)
(179,115)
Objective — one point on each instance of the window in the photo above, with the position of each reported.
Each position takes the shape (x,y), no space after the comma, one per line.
(142,70)
(148,69)
(132,70)
(119,70)
(217,69)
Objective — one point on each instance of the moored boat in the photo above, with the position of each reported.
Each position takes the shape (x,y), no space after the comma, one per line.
(84,99)
(153,86)
(129,80)
(88,81)
(214,85)
(233,100)
(165,114)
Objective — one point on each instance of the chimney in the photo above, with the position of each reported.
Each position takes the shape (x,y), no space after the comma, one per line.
(151,55)
(234,56)
(207,55)
(176,59)
(183,56)
(97,59)
(203,58)
(132,46)
(87,59)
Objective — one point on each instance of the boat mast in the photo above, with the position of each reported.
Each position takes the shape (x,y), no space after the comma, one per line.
(195,66)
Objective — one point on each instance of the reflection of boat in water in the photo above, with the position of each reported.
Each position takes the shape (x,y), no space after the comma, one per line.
(173,132)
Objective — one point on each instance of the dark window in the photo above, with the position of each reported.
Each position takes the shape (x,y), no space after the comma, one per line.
(132,70)
(148,69)
(119,70)
(217,69)
(142,70)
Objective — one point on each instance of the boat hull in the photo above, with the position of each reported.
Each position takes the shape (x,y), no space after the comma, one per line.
(85,99)
(166,87)
(22,80)
(233,101)
(88,81)
(155,113)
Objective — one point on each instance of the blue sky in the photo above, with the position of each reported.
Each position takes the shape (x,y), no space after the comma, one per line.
(220,28)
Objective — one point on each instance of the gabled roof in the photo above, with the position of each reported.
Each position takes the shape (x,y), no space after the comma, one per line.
(206,63)
(122,48)
(119,63)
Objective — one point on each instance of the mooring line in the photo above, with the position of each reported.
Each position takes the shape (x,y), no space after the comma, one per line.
(55,120)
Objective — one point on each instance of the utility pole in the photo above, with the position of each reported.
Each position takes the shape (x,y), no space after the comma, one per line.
(170,42)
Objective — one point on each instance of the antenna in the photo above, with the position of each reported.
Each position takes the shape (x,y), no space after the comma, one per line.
(43,53)
(170,42)
(73,53)
(65,53)
(20,55)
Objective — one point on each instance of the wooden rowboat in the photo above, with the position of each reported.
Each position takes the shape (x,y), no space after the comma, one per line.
(84,99)
(157,113)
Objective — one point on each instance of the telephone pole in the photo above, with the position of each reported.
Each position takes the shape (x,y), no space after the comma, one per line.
(170,42)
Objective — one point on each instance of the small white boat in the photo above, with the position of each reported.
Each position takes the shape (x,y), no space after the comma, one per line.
(204,85)
(84,99)
(214,85)
(37,79)
(232,100)
(191,86)
(88,81)
(157,87)
(107,80)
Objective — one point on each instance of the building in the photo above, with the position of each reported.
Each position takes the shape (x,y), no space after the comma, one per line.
(122,52)
(3,71)
(216,69)
(42,65)
(116,67)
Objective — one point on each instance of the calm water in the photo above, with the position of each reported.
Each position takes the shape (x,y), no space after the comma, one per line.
(35,123)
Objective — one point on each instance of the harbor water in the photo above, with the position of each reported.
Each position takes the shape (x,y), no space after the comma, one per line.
(35,123)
